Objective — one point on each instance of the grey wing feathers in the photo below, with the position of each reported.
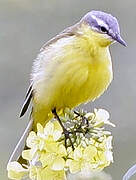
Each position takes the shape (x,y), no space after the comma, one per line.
(70,31)
(27,100)
(21,144)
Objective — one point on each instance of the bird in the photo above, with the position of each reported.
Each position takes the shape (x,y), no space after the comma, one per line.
(73,68)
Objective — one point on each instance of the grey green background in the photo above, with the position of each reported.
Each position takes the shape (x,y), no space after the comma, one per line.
(25,25)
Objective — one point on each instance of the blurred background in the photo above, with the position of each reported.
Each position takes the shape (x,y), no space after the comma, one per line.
(25,25)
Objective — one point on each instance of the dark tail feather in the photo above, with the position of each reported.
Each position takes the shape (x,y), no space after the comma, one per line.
(16,155)
(27,101)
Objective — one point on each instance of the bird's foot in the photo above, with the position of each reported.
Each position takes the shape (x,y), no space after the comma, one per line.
(67,136)
(84,123)
(65,131)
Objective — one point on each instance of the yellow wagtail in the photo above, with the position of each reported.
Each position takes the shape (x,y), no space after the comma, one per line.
(72,68)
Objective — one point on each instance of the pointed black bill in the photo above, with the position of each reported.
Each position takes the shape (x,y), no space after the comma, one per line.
(119,39)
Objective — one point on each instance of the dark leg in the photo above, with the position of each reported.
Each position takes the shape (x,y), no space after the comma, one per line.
(66,133)
(84,120)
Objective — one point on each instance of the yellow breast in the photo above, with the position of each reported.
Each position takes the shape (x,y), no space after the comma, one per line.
(84,74)
(83,81)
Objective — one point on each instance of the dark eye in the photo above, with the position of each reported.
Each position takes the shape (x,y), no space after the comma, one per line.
(103,29)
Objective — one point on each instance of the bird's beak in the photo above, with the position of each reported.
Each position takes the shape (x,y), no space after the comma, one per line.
(119,39)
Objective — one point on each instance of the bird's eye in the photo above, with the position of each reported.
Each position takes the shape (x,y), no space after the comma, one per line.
(103,29)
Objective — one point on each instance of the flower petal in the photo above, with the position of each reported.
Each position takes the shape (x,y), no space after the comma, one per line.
(56,135)
(74,166)
(49,128)
(57,126)
(58,164)
(77,153)
(62,150)
(89,152)
(16,171)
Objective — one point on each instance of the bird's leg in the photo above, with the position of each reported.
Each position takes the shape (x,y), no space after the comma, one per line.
(65,131)
(84,121)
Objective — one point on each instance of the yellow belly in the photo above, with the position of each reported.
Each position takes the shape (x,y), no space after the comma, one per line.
(80,83)
(74,83)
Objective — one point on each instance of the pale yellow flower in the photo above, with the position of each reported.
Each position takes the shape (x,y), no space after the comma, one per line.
(88,158)
(47,173)
(48,157)
(43,140)
(81,158)
(75,162)
(102,160)
(101,118)
(58,164)
(33,172)
(16,171)
(54,156)
(40,173)
(89,153)
(106,144)
(27,154)
(35,142)
(53,130)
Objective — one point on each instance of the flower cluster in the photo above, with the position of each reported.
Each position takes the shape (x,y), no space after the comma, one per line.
(47,156)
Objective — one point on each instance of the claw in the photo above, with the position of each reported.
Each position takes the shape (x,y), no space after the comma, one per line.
(84,121)
(66,133)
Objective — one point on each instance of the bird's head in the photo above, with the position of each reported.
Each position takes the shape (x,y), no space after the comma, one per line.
(104,28)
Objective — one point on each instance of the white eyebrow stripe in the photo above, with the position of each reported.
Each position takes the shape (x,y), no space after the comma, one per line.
(100,22)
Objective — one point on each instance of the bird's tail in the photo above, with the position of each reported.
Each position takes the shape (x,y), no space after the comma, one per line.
(16,155)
